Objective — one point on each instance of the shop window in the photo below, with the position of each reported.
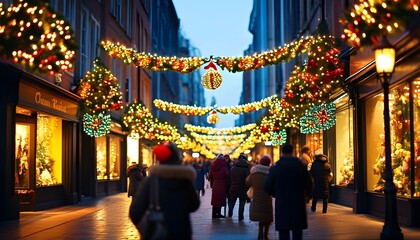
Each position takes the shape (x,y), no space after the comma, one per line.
(22,156)
(314,141)
(108,158)
(114,157)
(344,143)
(416,95)
(48,150)
(400,141)
(132,150)
(101,161)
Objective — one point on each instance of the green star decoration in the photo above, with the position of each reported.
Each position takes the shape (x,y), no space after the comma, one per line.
(278,138)
(96,125)
(308,124)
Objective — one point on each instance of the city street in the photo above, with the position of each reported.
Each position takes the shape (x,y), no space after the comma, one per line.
(106,218)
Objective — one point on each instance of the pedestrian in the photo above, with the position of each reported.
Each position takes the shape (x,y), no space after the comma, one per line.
(321,173)
(218,179)
(261,208)
(176,191)
(238,188)
(306,156)
(289,182)
(135,175)
(201,173)
(229,164)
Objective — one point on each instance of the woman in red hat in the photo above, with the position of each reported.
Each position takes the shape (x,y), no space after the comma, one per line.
(176,191)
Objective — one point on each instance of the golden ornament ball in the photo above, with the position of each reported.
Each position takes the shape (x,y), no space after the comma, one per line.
(212,79)
(213,118)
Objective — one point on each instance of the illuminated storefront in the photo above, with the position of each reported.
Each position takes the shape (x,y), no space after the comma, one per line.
(42,131)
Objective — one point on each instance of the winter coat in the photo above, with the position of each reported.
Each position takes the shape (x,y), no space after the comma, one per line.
(134,173)
(218,176)
(261,208)
(238,174)
(199,180)
(306,160)
(177,198)
(289,182)
(321,173)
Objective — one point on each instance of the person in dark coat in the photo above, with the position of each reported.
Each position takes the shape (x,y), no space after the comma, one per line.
(218,177)
(177,194)
(321,173)
(201,172)
(238,188)
(229,167)
(135,174)
(261,208)
(289,182)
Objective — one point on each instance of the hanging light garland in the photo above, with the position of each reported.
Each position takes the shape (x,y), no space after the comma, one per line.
(200,111)
(368,20)
(226,131)
(181,109)
(231,64)
(32,35)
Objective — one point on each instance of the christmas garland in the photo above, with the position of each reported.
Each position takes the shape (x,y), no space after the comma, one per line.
(200,111)
(367,21)
(232,64)
(32,35)
(226,131)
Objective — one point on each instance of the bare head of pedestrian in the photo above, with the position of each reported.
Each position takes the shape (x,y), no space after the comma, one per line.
(287,149)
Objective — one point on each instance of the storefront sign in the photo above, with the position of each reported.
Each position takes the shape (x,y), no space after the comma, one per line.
(37,98)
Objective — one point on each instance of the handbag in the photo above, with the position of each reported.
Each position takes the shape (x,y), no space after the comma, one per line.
(250,193)
(152,225)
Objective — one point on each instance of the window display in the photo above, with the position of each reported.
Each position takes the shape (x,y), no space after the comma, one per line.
(108,159)
(400,140)
(344,143)
(48,150)
(114,157)
(22,156)
(416,96)
(101,162)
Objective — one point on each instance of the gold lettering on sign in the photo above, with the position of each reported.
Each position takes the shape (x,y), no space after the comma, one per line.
(52,103)
(58,105)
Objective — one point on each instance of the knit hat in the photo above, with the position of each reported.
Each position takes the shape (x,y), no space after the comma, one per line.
(265,160)
(166,153)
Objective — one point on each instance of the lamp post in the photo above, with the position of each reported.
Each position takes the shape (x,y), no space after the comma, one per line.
(385,61)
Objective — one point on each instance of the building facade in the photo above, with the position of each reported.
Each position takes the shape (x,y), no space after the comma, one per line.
(47,160)
(355,145)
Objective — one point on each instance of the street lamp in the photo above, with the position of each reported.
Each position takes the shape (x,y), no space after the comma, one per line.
(385,61)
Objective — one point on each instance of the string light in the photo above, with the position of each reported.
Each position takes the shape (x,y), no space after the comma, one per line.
(36,37)
(368,20)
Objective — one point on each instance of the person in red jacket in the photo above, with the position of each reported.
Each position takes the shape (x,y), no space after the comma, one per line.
(218,180)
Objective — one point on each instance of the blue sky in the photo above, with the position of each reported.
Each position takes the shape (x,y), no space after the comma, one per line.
(218,28)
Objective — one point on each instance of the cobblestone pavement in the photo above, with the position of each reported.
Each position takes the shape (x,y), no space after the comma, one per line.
(107,218)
